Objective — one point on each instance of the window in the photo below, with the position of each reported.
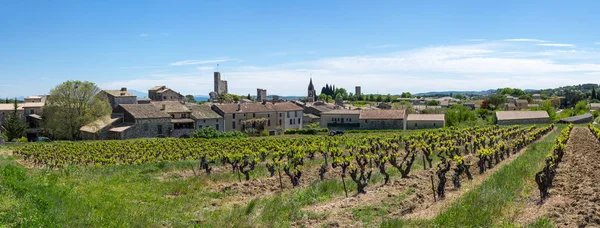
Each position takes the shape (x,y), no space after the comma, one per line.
(253,115)
(290,121)
(204,121)
(165,97)
(295,114)
(173,116)
(298,120)
(279,122)
(280,114)
(159,129)
(434,124)
(233,116)
(288,114)
(217,127)
(145,127)
(269,123)
(332,119)
(268,115)
(415,124)
(233,124)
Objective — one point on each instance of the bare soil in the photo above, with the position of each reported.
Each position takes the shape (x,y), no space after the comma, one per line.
(575,197)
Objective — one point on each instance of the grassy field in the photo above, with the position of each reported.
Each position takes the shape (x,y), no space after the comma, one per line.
(152,195)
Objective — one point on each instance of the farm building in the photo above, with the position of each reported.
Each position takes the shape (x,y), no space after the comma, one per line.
(511,107)
(585,118)
(423,121)
(521,104)
(381,119)
(340,119)
(522,117)
(595,106)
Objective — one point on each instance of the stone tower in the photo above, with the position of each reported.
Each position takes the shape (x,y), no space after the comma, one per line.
(312,95)
(261,94)
(357,91)
(220,85)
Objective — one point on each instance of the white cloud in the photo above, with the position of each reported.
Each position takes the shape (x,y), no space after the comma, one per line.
(199,62)
(597,43)
(476,66)
(556,45)
(204,68)
(144,35)
(525,40)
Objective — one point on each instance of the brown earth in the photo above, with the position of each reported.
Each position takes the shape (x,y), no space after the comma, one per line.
(575,197)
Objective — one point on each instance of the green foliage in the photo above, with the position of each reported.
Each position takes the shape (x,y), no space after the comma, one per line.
(433,103)
(405,95)
(22,139)
(14,125)
(190,98)
(211,133)
(547,106)
(581,108)
(512,91)
(595,114)
(527,97)
(496,100)
(72,105)
(306,131)
(457,114)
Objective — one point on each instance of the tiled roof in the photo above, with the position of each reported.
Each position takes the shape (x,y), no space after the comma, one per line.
(243,108)
(522,101)
(10,107)
(144,111)
(119,93)
(382,114)
(171,106)
(576,118)
(517,115)
(342,111)
(99,124)
(156,88)
(32,105)
(120,129)
(200,112)
(425,117)
(182,120)
(286,107)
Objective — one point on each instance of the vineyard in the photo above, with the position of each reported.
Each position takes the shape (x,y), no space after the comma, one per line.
(355,155)
(298,181)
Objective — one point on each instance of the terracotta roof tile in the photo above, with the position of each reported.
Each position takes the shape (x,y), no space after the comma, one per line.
(517,115)
(382,114)
(144,111)
(425,117)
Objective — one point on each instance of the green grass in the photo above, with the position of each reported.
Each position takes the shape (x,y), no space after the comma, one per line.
(483,206)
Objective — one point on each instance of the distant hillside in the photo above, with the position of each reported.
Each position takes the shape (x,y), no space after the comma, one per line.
(138,93)
(435,93)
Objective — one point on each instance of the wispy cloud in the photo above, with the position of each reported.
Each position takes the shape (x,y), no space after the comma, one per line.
(556,45)
(474,66)
(199,62)
(204,68)
(144,35)
(385,46)
(597,43)
(525,40)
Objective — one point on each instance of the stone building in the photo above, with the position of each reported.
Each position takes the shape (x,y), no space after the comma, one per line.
(511,107)
(580,119)
(140,121)
(522,117)
(162,93)
(595,106)
(35,99)
(289,115)
(340,119)
(206,117)
(117,97)
(261,95)
(521,104)
(312,94)
(425,121)
(30,113)
(182,123)
(99,129)
(381,119)
(357,91)
(220,86)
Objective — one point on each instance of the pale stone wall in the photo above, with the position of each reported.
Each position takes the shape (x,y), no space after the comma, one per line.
(327,119)
(381,124)
(424,124)
(524,121)
(148,128)
(217,124)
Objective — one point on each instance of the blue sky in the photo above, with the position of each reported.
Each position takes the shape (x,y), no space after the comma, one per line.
(384,46)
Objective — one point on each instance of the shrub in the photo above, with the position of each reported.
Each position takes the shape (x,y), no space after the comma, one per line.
(211,133)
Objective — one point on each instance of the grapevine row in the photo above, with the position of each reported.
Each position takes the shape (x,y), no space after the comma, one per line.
(545,177)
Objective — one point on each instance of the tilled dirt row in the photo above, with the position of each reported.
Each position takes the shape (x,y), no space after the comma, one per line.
(575,197)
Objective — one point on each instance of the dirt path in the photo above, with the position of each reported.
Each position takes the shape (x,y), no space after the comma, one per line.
(405,198)
(575,197)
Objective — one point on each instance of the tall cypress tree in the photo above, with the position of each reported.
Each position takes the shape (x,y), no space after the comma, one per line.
(594,95)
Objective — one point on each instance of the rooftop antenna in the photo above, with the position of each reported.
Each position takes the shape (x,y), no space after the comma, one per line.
(217,67)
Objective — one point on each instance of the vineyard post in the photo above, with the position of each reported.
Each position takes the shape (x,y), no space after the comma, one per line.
(433,188)
(280,183)
(344,182)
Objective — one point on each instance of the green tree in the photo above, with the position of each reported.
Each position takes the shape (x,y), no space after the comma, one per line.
(433,103)
(379,98)
(71,105)
(406,95)
(388,98)
(581,108)
(323,97)
(497,99)
(459,96)
(457,114)
(190,98)
(548,107)
(527,97)
(14,125)
(329,99)
(250,98)
(593,96)
(342,92)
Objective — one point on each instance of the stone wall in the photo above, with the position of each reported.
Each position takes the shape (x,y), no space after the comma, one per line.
(424,124)
(327,119)
(381,124)
(524,121)
(148,128)
(214,123)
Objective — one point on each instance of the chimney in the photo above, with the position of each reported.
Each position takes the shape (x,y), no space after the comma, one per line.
(123,89)
(163,107)
(122,94)
(239,107)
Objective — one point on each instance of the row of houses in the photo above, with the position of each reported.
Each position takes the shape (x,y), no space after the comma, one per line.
(179,119)
(30,111)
